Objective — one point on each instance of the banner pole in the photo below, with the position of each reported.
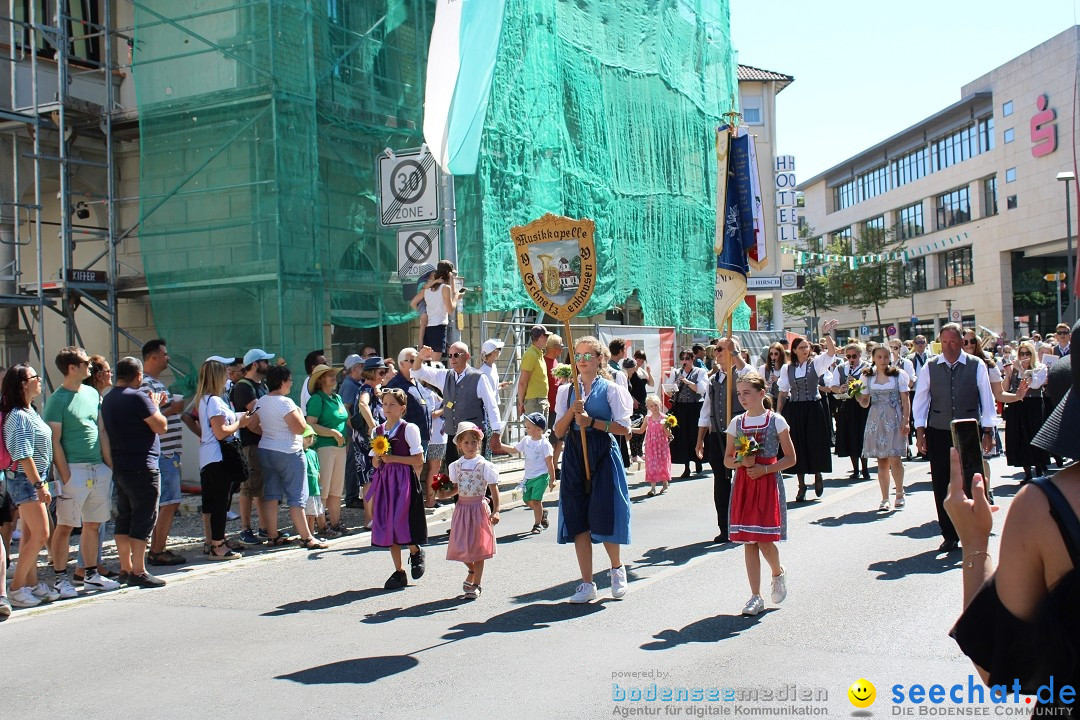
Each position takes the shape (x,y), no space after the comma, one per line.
(577,388)
(730,359)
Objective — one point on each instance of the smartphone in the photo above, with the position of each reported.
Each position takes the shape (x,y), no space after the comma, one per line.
(967,439)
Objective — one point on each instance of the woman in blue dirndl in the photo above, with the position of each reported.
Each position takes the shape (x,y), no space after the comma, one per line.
(598,512)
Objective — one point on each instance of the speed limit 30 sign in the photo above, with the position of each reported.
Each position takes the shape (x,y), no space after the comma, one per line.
(408,189)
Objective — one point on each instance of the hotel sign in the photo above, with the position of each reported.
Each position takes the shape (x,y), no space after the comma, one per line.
(787,211)
(1044,135)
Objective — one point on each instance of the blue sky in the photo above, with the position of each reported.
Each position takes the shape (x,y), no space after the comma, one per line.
(866,69)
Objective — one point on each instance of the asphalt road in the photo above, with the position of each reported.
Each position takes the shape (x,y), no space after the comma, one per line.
(294,634)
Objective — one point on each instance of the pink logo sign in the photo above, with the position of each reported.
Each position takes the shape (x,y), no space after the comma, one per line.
(1043,128)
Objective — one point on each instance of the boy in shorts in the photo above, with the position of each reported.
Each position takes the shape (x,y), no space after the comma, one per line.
(539,468)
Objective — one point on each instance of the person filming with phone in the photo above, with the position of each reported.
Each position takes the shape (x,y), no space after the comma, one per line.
(1021,620)
(952,386)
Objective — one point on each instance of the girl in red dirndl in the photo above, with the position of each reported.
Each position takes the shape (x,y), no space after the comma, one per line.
(757,515)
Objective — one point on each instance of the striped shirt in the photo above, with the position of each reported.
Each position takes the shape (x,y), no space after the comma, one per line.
(173,439)
(26,435)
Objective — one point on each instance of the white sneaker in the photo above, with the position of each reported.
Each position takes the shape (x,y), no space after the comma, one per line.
(65,588)
(618,582)
(779,587)
(23,598)
(754,605)
(97,581)
(44,593)
(585,593)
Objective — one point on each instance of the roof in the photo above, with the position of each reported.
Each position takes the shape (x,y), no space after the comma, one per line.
(749,73)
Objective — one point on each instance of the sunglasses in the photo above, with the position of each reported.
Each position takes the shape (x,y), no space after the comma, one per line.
(31,377)
(383,371)
(920,342)
(1023,353)
(458,354)
(852,357)
(774,354)
(966,341)
(1063,332)
(586,357)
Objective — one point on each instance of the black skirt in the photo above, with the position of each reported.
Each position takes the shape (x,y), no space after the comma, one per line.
(1022,421)
(810,426)
(685,432)
(850,428)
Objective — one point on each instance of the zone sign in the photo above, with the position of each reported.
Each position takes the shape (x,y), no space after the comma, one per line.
(408,189)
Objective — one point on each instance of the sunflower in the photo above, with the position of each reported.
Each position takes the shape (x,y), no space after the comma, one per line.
(671,421)
(381,444)
(746,446)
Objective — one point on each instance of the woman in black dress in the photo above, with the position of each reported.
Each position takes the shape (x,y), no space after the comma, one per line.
(686,385)
(639,377)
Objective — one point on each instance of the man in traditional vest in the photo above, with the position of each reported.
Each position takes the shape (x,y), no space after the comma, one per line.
(467,396)
(712,424)
(952,386)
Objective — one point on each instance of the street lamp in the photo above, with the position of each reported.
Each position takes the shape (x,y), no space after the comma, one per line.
(1066,177)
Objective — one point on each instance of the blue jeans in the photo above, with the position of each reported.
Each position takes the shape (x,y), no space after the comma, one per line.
(21,490)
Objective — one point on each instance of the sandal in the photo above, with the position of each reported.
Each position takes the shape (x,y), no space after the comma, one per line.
(884,506)
(651,493)
(278,541)
(899,502)
(663,489)
(227,555)
(537,529)
(473,592)
(467,586)
(313,544)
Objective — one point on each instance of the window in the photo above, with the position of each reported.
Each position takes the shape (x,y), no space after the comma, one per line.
(81,16)
(908,168)
(873,230)
(844,195)
(1010,175)
(1007,109)
(953,208)
(873,183)
(913,277)
(964,144)
(843,234)
(1009,135)
(910,221)
(955,267)
(990,204)
(1010,202)
(751,109)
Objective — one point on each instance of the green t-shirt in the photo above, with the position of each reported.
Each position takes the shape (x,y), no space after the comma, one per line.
(330,412)
(311,462)
(77,414)
(533,361)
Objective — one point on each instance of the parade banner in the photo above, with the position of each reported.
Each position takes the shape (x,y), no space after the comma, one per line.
(734,223)
(759,253)
(557,259)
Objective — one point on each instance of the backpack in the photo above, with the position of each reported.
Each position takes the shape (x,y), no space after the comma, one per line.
(5,457)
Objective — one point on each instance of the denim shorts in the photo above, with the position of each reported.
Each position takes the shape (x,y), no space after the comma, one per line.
(169,466)
(21,489)
(284,477)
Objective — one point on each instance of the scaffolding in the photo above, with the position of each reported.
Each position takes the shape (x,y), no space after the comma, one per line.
(58,121)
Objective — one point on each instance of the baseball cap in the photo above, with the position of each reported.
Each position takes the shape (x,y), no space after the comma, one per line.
(491,346)
(538,331)
(536,419)
(221,359)
(352,361)
(255,354)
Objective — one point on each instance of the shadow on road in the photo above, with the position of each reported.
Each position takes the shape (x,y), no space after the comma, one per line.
(930,562)
(359,671)
(327,602)
(422,610)
(852,518)
(706,630)
(927,530)
(523,619)
(922,485)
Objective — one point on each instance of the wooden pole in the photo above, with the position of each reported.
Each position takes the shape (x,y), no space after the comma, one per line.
(730,359)
(577,391)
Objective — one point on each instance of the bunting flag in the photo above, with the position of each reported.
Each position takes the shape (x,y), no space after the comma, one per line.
(734,222)
(854,261)
(461,64)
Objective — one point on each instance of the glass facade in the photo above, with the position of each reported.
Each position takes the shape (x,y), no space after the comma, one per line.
(913,276)
(845,195)
(910,221)
(955,267)
(908,168)
(963,144)
(990,196)
(953,208)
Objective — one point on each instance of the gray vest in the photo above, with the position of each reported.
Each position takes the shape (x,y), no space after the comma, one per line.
(954,394)
(461,401)
(686,393)
(804,389)
(718,405)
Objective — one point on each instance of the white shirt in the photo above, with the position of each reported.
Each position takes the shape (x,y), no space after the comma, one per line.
(617,397)
(821,367)
(483,389)
(412,437)
(536,453)
(701,385)
(492,375)
(276,434)
(920,404)
(304,397)
(705,418)
(437,312)
(754,422)
(489,474)
(1038,376)
(889,384)
(209,449)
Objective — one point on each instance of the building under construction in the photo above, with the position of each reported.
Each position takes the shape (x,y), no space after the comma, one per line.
(206,170)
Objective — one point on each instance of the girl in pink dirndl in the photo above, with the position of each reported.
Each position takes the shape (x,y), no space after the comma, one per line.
(657,446)
(472,540)
(758,511)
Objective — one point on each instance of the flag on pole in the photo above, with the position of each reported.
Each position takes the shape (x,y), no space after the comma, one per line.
(758,254)
(461,64)
(734,222)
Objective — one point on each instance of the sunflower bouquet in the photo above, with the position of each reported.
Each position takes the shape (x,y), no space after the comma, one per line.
(381,445)
(855,388)
(670,422)
(562,373)
(746,446)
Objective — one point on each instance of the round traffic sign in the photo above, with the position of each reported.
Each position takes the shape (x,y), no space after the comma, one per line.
(417,247)
(955,316)
(408,182)
(891,330)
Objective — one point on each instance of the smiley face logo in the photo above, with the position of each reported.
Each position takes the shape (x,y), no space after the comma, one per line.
(862,693)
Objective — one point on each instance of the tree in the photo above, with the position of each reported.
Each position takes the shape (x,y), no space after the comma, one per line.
(874,283)
(819,293)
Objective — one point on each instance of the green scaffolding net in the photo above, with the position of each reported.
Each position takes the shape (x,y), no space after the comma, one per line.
(261,122)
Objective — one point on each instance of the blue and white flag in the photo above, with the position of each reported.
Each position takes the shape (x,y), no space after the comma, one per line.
(461,64)
(734,222)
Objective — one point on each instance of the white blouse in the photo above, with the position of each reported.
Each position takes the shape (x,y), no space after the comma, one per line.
(821,367)
(618,399)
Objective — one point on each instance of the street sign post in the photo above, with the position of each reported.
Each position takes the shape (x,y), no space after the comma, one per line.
(408,189)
